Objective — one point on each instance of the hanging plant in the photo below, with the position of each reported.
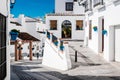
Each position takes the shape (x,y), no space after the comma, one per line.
(95,28)
(56,42)
(61,47)
(104,32)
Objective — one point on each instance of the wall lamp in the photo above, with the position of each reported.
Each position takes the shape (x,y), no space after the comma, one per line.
(12,3)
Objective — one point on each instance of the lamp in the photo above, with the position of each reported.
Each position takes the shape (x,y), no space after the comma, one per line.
(12,3)
(19,47)
(20,42)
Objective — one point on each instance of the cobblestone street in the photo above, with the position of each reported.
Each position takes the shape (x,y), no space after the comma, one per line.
(88,67)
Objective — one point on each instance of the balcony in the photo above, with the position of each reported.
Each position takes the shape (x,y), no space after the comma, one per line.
(81,1)
(98,4)
(88,6)
(88,10)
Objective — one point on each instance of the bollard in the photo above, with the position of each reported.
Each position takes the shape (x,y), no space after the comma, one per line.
(75,56)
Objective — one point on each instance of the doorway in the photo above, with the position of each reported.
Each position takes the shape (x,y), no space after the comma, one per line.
(66,29)
(100,35)
(117,43)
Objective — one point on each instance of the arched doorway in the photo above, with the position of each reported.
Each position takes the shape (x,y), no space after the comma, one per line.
(66,29)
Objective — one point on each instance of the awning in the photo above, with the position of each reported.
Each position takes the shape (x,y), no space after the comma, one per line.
(18,24)
(43,32)
(27,36)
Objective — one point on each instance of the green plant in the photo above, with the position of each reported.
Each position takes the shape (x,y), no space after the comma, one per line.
(95,28)
(15,30)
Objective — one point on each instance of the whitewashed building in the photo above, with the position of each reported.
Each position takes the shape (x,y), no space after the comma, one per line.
(28,28)
(67,21)
(4,40)
(104,15)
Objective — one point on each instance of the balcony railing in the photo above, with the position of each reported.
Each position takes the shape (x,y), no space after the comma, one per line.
(88,5)
(98,2)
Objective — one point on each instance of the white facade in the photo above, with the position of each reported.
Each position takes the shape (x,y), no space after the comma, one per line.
(5,10)
(30,26)
(110,13)
(61,14)
(55,58)
(60,7)
(60,20)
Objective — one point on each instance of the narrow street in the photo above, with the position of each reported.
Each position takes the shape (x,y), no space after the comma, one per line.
(89,66)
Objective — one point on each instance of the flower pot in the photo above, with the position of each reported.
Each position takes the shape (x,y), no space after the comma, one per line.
(62,48)
(14,35)
(48,36)
(104,32)
(95,28)
(56,43)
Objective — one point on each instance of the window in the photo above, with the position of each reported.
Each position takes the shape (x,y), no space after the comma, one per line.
(2,47)
(79,25)
(69,6)
(90,29)
(53,24)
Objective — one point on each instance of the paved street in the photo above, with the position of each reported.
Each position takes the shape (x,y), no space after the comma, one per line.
(88,67)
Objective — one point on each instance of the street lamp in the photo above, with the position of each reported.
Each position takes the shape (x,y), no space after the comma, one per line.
(19,47)
(12,3)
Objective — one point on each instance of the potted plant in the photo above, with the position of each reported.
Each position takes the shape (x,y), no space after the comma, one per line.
(104,32)
(14,34)
(56,42)
(95,28)
(61,46)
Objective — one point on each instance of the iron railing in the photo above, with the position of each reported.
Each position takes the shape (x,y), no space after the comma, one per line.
(97,2)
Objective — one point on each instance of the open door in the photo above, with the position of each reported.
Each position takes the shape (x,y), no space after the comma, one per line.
(66,29)
(117,43)
(102,35)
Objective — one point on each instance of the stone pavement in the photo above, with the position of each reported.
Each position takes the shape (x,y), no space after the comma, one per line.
(88,67)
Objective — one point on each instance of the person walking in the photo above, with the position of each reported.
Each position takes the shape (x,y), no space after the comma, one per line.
(37,55)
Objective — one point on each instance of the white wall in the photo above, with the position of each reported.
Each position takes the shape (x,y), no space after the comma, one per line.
(60,6)
(77,9)
(4,7)
(5,10)
(111,16)
(54,58)
(13,26)
(60,20)
(31,29)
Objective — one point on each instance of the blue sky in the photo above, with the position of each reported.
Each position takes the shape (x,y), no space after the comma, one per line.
(33,8)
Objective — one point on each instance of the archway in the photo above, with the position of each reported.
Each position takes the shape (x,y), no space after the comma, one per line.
(66,29)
